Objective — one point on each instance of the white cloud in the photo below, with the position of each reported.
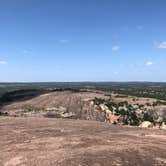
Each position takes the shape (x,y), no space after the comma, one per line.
(63,41)
(162,45)
(115,48)
(149,63)
(3,62)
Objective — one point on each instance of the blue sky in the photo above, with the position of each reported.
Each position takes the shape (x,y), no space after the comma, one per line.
(82,40)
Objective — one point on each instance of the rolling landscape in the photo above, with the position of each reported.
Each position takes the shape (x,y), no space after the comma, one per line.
(82,83)
(83,123)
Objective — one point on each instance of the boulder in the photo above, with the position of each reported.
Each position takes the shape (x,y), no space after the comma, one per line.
(108,112)
(146,124)
(163,126)
(68,115)
(114,119)
(135,106)
(91,103)
(122,108)
(103,107)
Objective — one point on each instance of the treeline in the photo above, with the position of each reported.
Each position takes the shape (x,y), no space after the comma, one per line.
(25,94)
(147,92)
(18,95)
(142,93)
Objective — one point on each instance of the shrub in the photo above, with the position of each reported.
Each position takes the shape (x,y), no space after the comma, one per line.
(3,114)
(147,117)
(111,104)
(98,101)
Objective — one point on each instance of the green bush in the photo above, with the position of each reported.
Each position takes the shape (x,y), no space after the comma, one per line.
(147,117)
(3,114)
(98,101)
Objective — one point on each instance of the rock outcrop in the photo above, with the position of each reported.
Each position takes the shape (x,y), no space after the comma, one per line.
(146,124)
(163,126)
(113,119)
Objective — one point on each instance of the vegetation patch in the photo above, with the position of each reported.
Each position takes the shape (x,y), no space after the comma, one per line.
(98,101)
(3,114)
(29,108)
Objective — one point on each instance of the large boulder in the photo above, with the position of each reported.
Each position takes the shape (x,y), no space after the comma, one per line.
(146,124)
(114,119)
(103,107)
